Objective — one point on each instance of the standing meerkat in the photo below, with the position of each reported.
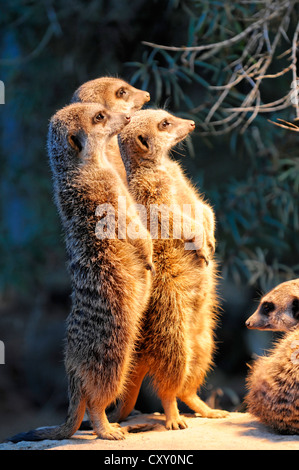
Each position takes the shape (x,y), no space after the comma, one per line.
(176,343)
(115,95)
(110,276)
(278,310)
(273,384)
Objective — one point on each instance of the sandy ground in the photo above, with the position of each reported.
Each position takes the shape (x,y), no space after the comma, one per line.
(239,431)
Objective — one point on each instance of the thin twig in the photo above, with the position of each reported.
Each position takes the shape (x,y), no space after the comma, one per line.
(294,69)
(290,126)
(225,43)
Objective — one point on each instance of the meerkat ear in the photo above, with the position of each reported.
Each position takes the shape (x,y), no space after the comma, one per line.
(143,143)
(75,142)
(295,308)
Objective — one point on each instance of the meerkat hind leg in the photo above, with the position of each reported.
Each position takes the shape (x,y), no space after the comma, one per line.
(200,407)
(102,428)
(130,395)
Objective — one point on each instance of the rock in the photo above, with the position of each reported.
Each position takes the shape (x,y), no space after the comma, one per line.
(239,431)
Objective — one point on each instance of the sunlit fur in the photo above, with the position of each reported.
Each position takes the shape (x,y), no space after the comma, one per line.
(273,384)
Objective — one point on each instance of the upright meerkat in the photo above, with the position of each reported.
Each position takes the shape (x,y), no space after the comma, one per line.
(115,95)
(110,275)
(176,342)
(273,385)
(278,309)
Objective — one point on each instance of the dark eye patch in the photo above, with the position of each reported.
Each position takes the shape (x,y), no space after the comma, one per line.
(267,307)
(295,308)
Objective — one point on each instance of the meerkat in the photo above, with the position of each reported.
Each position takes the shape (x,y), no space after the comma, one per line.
(273,384)
(278,310)
(118,95)
(110,275)
(176,342)
(115,95)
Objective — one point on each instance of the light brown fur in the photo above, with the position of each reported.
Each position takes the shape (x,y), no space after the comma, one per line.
(273,381)
(273,384)
(110,277)
(177,344)
(115,95)
(188,194)
(278,310)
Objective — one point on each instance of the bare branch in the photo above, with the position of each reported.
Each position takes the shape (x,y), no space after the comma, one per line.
(225,43)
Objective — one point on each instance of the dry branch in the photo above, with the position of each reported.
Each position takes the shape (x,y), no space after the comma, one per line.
(252,66)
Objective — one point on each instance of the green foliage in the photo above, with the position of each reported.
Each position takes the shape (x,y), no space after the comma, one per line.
(258,210)
(48,48)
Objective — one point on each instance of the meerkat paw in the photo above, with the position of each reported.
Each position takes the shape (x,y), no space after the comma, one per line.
(212,413)
(175,423)
(113,432)
(201,409)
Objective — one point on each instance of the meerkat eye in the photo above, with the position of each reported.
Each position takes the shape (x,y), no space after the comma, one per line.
(164,125)
(121,93)
(99,117)
(267,307)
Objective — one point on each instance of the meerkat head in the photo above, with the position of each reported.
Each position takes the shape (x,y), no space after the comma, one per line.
(79,131)
(278,310)
(150,135)
(113,93)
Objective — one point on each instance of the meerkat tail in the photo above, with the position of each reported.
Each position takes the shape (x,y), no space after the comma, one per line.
(64,431)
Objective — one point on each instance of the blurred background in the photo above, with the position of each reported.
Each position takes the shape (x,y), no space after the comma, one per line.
(239,73)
